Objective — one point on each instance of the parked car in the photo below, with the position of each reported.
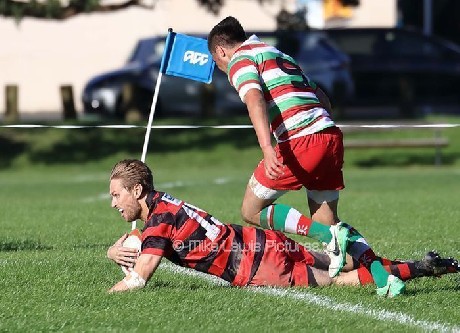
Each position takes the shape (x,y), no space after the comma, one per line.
(103,94)
(400,66)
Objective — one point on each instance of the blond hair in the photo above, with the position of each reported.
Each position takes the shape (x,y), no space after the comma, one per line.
(132,172)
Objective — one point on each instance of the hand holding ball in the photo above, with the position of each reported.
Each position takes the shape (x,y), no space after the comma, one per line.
(132,241)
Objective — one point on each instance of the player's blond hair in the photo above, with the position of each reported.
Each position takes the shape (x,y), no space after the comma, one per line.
(133,172)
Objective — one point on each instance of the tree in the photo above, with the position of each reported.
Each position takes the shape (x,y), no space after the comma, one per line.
(55,10)
(62,10)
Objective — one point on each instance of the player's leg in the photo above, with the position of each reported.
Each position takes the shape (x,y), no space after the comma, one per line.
(255,200)
(323,208)
(311,267)
(431,265)
(284,218)
(359,249)
(355,277)
(320,157)
(323,161)
(322,260)
(258,208)
(340,238)
(311,276)
(437,265)
(317,277)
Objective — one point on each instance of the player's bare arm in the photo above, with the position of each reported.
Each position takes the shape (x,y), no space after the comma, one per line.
(256,105)
(123,256)
(145,266)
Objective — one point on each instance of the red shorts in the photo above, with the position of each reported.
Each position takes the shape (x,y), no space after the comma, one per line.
(284,263)
(313,161)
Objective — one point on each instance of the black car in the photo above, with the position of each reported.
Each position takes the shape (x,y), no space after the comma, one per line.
(105,93)
(392,66)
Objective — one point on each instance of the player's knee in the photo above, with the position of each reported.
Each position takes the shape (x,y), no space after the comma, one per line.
(327,218)
(323,206)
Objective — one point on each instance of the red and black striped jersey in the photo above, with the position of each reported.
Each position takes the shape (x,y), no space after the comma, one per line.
(190,237)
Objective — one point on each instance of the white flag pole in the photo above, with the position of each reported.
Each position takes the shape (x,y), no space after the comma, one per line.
(149,126)
(152,112)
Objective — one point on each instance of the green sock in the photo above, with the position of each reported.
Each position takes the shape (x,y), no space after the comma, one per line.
(287,219)
(360,250)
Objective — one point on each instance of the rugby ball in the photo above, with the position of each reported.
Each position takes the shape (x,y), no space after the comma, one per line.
(132,241)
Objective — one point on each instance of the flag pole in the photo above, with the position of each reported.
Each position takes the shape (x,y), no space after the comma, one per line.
(149,127)
(152,110)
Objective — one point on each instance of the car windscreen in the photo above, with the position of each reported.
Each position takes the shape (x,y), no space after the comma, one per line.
(356,43)
(318,50)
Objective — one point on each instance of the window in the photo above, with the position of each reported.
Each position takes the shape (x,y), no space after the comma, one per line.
(358,43)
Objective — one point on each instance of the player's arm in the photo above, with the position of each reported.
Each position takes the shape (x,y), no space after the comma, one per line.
(323,99)
(257,109)
(145,266)
(123,256)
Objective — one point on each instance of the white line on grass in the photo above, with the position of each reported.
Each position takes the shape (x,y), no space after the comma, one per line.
(161,186)
(325,302)
(223,126)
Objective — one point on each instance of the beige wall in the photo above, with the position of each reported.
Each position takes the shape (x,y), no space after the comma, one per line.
(41,55)
(379,13)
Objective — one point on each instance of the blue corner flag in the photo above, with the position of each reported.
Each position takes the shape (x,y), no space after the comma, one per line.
(188,57)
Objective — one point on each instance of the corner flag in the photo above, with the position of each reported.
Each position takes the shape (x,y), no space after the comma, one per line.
(184,56)
(188,57)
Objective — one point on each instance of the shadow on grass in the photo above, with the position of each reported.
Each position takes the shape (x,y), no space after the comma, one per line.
(10,149)
(185,285)
(90,246)
(23,245)
(449,288)
(404,159)
(57,146)
(48,146)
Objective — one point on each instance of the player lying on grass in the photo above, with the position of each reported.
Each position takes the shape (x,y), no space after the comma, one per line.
(241,255)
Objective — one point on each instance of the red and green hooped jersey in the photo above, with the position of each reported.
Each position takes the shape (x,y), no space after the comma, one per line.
(293,107)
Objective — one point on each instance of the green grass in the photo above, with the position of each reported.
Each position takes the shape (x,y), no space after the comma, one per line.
(56,225)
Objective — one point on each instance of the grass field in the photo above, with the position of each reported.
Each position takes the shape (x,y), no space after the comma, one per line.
(56,225)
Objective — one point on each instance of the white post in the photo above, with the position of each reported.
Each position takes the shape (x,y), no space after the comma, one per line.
(427,17)
(149,126)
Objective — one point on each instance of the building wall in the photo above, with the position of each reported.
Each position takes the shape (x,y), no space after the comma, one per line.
(368,13)
(41,55)
(373,13)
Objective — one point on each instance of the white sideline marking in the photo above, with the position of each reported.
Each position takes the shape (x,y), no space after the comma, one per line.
(325,302)
(222,126)
(100,197)
(168,185)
